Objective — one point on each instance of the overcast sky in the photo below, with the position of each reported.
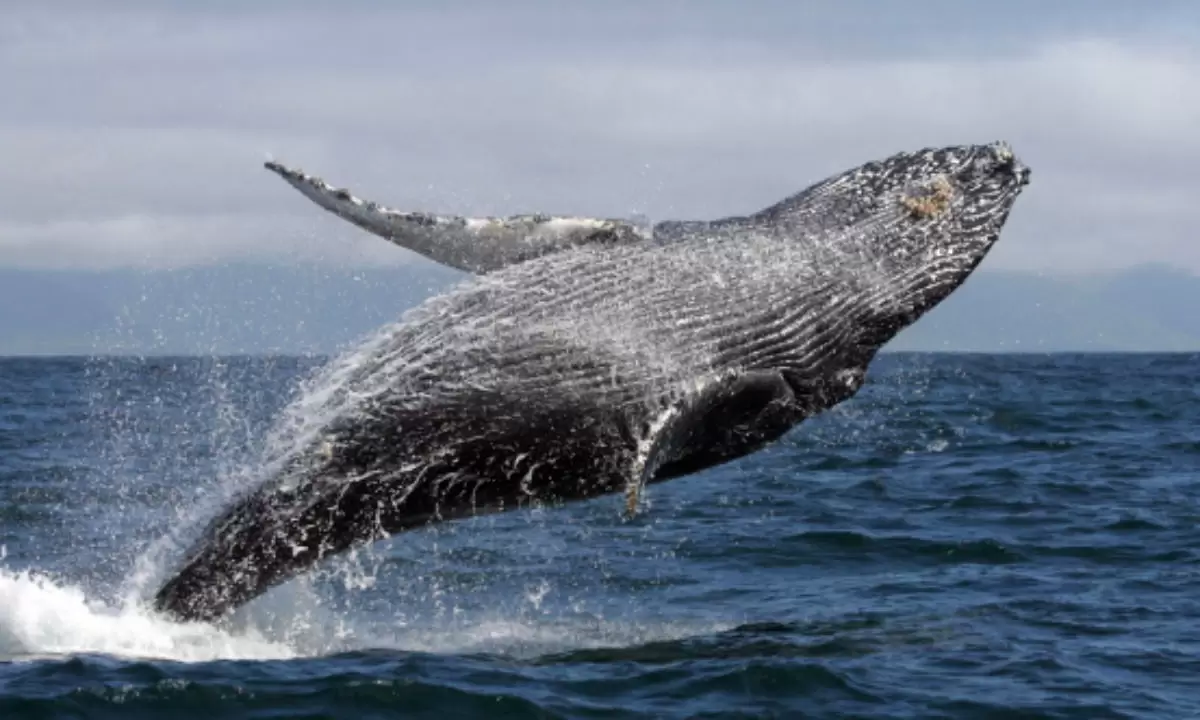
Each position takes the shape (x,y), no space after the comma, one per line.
(135,134)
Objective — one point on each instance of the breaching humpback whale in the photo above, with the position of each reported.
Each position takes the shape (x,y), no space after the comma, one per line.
(589,358)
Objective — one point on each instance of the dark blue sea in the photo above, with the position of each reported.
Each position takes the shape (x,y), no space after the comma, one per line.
(971,537)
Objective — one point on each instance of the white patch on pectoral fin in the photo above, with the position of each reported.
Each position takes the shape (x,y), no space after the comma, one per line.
(652,448)
(726,416)
(475,245)
(666,433)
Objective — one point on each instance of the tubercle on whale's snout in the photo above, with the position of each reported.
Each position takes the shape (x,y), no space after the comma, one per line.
(1008,162)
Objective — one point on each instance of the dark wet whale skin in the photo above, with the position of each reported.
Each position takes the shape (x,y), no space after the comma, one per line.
(595,369)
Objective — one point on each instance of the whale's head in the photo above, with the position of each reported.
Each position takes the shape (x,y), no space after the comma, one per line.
(947,203)
(916,225)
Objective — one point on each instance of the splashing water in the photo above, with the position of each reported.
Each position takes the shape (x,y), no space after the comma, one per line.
(51,616)
(39,617)
(74,612)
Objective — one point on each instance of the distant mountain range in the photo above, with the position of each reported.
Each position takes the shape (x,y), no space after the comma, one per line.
(316,310)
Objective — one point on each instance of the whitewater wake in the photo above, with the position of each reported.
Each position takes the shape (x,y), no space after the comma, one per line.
(42,617)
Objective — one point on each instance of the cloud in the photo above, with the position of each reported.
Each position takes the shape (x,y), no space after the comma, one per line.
(134,136)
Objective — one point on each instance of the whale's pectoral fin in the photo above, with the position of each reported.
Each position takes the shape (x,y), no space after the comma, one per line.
(726,418)
(476,245)
(743,413)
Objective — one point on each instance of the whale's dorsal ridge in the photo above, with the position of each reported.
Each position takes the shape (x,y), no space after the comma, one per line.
(472,244)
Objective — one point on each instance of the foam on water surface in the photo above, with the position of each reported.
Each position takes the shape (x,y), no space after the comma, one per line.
(42,617)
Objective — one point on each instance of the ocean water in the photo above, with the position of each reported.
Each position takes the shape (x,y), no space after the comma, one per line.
(970,537)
